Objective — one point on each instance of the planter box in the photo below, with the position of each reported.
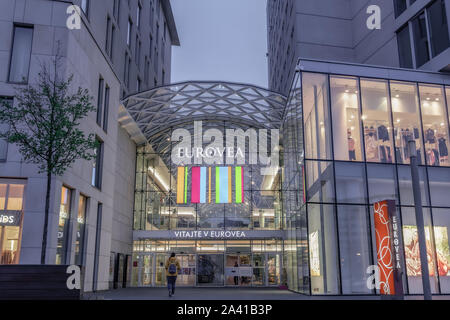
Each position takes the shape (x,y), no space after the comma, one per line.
(35,282)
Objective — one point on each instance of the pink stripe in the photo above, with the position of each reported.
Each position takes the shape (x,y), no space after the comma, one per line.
(242,184)
(195,190)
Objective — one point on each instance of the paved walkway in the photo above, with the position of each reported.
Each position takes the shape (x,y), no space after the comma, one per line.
(224,294)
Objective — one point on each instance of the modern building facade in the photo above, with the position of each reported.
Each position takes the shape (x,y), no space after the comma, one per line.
(356,102)
(413,34)
(122,47)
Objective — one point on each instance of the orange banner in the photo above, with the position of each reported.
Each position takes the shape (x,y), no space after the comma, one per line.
(384,247)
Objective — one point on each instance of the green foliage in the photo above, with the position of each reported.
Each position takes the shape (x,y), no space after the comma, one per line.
(44,122)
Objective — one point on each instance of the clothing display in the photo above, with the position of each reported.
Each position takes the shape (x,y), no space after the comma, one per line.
(443,150)
(351,149)
(429,136)
(377,143)
(383,133)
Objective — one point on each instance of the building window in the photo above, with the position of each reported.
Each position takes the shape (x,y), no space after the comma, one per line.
(63,225)
(435,125)
(116,9)
(85,7)
(404,47)
(399,7)
(129,30)
(11,206)
(81,229)
(316,116)
(21,54)
(106,108)
(438,26)
(138,52)
(346,119)
(138,16)
(421,39)
(108,36)
(97,166)
(4,128)
(101,85)
(376,116)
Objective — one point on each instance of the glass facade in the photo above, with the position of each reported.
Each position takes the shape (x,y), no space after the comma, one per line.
(356,132)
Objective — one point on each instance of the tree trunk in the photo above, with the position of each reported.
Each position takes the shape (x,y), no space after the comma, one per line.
(47,209)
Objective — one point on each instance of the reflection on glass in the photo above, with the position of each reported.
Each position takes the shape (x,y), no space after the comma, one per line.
(441,222)
(320,182)
(412,253)
(350,182)
(346,119)
(81,226)
(323,249)
(439,181)
(381,181)
(406,115)
(210,269)
(435,126)
(316,116)
(376,121)
(405,186)
(354,249)
(64,216)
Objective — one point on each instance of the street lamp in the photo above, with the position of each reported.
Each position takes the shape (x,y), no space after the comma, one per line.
(419,220)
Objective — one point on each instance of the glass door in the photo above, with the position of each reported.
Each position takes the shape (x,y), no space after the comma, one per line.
(186,277)
(210,270)
(160,269)
(259,271)
(232,270)
(273,269)
(147,270)
(245,270)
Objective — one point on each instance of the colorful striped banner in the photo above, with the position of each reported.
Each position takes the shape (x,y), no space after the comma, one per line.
(201,185)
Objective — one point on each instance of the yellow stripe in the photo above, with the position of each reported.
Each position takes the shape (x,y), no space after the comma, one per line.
(229,185)
(180,185)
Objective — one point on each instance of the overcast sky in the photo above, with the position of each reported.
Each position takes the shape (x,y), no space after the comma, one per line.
(220,40)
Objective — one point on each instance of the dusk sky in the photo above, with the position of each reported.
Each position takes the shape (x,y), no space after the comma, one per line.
(221,40)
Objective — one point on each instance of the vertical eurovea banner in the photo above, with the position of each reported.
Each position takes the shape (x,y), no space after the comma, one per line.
(388,242)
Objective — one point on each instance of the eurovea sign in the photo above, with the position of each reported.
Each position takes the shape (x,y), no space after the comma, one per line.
(229,150)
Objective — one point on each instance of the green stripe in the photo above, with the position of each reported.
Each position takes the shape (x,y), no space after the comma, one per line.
(238,184)
(185,184)
(217,185)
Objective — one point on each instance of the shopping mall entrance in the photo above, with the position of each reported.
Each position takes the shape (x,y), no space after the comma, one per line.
(230,268)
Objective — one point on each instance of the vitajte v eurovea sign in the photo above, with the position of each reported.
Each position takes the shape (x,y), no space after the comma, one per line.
(221,161)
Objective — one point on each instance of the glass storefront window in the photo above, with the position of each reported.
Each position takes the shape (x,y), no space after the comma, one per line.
(316,116)
(354,249)
(406,115)
(412,253)
(350,182)
(15,197)
(63,225)
(3,196)
(376,120)
(323,249)
(405,186)
(81,227)
(439,181)
(435,125)
(346,119)
(441,222)
(382,182)
(320,181)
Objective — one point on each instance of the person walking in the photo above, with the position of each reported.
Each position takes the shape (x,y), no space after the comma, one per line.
(172,270)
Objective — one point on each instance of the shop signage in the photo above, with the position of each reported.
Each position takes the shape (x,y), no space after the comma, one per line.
(10,218)
(388,242)
(210,234)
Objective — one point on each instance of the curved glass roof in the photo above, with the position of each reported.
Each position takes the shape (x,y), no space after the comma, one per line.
(157,110)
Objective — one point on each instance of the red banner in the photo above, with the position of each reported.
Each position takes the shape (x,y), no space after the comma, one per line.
(384,247)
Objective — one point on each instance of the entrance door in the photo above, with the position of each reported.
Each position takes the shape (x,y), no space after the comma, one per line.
(186,277)
(147,270)
(160,269)
(273,269)
(238,270)
(210,270)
